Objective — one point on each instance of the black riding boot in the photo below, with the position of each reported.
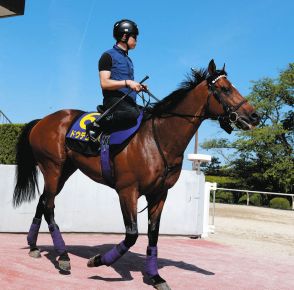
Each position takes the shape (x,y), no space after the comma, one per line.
(93,130)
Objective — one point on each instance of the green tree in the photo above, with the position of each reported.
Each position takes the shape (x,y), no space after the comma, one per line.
(264,158)
(211,168)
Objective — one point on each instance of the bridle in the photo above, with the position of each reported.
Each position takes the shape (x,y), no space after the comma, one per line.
(230,116)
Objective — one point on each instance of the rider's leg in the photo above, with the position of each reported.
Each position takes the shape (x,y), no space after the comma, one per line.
(123,115)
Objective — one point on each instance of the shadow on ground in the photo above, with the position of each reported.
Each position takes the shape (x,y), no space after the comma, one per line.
(130,262)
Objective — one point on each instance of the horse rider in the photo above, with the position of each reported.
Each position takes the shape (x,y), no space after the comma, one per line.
(116,73)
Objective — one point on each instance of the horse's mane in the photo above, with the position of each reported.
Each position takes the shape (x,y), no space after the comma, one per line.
(192,80)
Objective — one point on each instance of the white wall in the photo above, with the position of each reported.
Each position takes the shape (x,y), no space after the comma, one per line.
(86,206)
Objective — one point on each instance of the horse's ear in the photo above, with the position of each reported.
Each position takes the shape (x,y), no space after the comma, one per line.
(211,67)
(224,67)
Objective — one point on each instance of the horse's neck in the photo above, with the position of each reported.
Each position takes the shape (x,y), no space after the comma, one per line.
(175,133)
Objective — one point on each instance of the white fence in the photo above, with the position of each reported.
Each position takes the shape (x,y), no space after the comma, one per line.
(248,192)
(86,206)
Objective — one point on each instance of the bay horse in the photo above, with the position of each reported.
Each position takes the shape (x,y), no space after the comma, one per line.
(149,165)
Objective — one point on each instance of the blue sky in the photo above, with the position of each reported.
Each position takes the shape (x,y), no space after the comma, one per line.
(48,57)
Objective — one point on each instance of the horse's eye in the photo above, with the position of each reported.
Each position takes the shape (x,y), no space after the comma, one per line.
(226,90)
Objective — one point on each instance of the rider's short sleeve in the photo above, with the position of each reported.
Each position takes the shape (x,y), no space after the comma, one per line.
(105,62)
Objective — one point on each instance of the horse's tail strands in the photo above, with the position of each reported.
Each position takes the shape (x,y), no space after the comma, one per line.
(26,171)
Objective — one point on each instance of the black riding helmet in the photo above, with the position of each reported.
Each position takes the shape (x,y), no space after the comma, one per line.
(125,26)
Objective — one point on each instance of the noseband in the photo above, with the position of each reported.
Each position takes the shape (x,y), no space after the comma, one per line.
(230,112)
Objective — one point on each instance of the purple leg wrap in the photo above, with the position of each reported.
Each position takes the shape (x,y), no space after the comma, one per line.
(151,261)
(58,241)
(114,254)
(33,232)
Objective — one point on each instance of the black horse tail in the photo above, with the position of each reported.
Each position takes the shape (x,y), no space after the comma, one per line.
(26,170)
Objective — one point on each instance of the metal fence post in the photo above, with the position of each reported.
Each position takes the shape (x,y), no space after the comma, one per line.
(213,207)
(247,197)
(213,187)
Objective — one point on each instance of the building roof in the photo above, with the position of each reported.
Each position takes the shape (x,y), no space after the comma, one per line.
(11,8)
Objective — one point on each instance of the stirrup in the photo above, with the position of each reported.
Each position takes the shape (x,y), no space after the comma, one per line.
(93,130)
(93,138)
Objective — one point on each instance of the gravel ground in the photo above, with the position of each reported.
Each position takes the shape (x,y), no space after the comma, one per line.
(261,230)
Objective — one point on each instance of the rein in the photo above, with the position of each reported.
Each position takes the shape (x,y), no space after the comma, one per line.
(230,112)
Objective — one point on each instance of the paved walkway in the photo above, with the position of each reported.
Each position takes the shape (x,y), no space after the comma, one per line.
(185,264)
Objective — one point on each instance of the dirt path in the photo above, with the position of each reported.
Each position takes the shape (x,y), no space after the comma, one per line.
(263,230)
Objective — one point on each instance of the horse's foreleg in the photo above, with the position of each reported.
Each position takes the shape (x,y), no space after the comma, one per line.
(34,229)
(128,202)
(154,214)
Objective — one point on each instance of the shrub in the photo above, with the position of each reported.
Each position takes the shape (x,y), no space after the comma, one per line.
(222,181)
(243,199)
(226,182)
(9,134)
(224,197)
(280,203)
(254,199)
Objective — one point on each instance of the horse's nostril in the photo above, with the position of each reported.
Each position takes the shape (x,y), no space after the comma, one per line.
(255,116)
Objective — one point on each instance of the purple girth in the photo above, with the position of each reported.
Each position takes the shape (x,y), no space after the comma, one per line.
(151,261)
(114,254)
(58,241)
(33,232)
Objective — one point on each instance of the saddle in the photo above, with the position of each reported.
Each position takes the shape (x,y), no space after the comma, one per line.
(108,145)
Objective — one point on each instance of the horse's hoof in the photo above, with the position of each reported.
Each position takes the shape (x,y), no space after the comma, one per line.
(64,262)
(64,265)
(159,283)
(95,261)
(162,286)
(35,253)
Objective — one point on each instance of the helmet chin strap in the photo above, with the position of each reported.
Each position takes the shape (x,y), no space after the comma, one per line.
(122,47)
(126,41)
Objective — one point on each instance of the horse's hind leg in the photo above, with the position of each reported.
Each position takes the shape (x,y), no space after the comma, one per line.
(55,177)
(34,229)
(58,242)
(128,201)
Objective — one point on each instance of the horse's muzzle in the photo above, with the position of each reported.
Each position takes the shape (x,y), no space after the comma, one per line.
(248,123)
